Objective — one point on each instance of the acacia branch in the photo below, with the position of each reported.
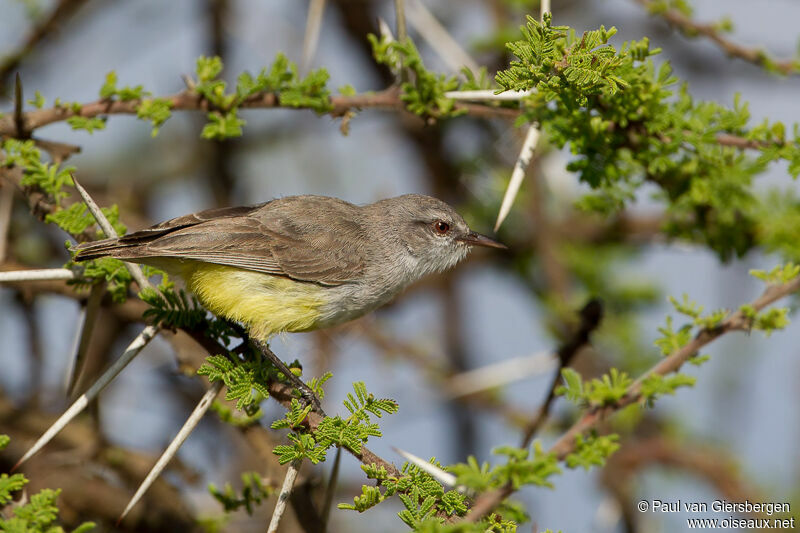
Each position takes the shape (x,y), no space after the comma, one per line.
(279,391)
(738,321)
(690,28)
(192,101)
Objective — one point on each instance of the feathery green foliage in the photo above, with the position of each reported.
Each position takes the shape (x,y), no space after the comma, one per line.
(155,110)
(608,390)
(77,218)
(351,432)
(655,385)
(422,496)
(46,177)
(424,92)
(40,512)
(255,489)
(530,466)
(628,124)
(110,91)
(112,271)
(592,450)
(281,80)
(246,381)
(38,100)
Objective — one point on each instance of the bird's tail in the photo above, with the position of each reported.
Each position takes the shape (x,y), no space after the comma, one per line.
(105,248)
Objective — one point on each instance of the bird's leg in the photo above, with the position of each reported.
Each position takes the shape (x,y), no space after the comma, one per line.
(305,391)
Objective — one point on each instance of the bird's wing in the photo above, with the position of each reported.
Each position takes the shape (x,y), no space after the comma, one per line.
(260,239)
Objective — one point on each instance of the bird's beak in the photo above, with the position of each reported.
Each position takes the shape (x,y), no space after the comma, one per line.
(476,239)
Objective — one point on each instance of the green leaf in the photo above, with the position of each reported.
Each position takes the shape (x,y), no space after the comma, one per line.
(609,390)
(655,385)
(223,126)
(38,100)
(592,451)
(246,381)
(208,68)
(255,490)
(9,485)
(303,447)
(90,124)
(572,388)
(156,110)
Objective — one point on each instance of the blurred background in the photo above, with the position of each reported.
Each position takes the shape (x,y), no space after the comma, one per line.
(733,436)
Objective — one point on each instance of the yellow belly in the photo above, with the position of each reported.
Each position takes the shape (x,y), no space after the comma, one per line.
(265,304)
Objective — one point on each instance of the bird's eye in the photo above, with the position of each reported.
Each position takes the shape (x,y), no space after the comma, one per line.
(441,227)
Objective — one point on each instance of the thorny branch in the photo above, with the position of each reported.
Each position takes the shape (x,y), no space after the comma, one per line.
(738,321)
(192,101)
(388,99)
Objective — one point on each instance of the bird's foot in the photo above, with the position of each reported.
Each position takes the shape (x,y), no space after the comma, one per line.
(306,394)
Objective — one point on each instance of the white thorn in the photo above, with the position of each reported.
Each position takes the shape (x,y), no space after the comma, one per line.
(385,31)
(497,375)
(445,478)
(83,400)
(46,274)
(283,497)
(439,38)
(544,8)
(172,449)
(488,94)
(518,174)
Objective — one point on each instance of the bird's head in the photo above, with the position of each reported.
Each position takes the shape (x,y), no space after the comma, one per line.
(433,234)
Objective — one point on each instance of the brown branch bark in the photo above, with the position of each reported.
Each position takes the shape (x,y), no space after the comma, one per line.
(189,101)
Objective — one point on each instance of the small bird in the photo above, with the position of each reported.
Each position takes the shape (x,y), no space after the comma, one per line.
(300,263)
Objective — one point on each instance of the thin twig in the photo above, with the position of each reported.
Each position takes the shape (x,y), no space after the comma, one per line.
(591,315)
(172,449)
(6,204)
(83,400)
(19,117)
(754,55)
(36,275)
(672,363)
(283,497)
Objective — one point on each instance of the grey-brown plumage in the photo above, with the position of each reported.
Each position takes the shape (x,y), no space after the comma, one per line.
(347,259)
(306,238)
